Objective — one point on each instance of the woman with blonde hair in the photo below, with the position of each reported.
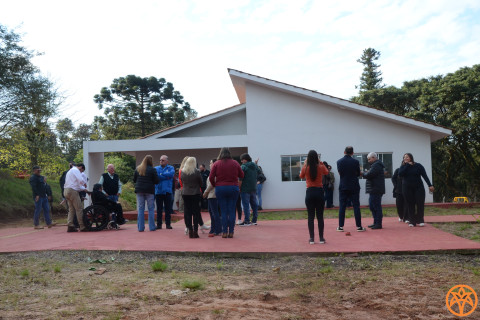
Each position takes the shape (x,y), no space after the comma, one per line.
(145,179)
(191,193)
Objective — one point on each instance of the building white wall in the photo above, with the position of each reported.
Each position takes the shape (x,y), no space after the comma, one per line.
(283,124)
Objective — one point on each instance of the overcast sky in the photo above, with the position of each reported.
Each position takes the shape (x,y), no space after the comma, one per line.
(311,44)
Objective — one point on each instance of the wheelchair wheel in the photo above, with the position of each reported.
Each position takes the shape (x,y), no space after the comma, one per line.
(95,218)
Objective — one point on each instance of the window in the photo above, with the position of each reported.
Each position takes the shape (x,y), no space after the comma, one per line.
(386,158)
(291,167)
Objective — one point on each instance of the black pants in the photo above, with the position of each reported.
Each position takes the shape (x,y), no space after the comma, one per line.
(415,202)
(315,202)
(401,207)
(191,210)
(164,201)
(239,207)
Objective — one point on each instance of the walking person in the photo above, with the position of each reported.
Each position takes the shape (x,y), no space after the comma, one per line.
(399,198)
(216,224)
(313,170)
(375,187)
(191,192)
(40,198)
(349,188)
(224,176)
(413,189)
(145,179)
(163,192)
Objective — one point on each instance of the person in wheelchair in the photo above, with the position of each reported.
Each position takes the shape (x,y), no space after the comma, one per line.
(100,199)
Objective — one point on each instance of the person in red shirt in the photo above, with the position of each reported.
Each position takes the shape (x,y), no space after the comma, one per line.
(312,171)
(224,176)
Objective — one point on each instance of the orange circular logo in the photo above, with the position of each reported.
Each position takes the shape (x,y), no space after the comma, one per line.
(461,300)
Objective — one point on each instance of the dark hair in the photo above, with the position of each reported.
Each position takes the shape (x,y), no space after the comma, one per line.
(97,187)
(224,154)
(246,156)
(35,168)
(312,163)
(81,165)
(213,160)
(411,156)
(349,150)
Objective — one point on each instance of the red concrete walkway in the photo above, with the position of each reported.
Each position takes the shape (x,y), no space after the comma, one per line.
(289,237)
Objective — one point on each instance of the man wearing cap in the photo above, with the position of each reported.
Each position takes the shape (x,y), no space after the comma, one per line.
(39,190)
(74,184)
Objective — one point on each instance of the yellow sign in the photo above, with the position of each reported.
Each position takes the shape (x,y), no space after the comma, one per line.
(461,300)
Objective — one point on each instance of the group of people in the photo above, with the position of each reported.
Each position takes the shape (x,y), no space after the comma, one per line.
(408,189)
(226,181)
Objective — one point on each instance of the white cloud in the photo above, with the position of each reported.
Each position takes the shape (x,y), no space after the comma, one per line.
(311,44)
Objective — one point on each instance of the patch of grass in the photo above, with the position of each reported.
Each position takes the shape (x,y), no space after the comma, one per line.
(57,269)
(220,265)
(24,273)
(327,269)
(159,266)
(461,229)
(217,311)
(192,284)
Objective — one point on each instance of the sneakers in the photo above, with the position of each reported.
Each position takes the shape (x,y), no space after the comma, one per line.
(53,224)
(186,230)
(311,241)
(322,240)
(205,227)
(361,229)
(407,222)
(239,221)
(37,227)
(376,227)
(254,223)
(340,229)
(411,225)
(245,224)
(421,224)
(400,220)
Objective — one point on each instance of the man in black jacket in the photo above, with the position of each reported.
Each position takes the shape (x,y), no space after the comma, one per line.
(39,190)
(375,186)
(100,199)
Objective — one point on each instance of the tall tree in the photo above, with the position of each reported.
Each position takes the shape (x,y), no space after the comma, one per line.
(371,75)
(15,65)
(452,101)
(138,106)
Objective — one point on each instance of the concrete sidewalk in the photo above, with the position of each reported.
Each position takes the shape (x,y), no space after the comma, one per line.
(269,237)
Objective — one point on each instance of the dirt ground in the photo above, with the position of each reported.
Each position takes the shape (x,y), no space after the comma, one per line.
(63,285)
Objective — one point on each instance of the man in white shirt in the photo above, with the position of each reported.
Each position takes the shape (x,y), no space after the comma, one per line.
(74,184)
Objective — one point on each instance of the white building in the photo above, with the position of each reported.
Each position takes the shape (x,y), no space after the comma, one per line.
(279,123)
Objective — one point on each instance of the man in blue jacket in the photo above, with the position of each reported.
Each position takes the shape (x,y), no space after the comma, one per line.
(163,192)
(375,186)
(349,189)
(38,184)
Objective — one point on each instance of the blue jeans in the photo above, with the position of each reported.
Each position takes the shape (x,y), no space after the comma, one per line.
(375,204)
(216,225)
(259,194)
(150,198)
(249,199)
(164,200)
(113,197)
(42,203)
(227,198)
(344,197)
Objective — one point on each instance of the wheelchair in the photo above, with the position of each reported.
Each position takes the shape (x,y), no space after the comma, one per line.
(97,218)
